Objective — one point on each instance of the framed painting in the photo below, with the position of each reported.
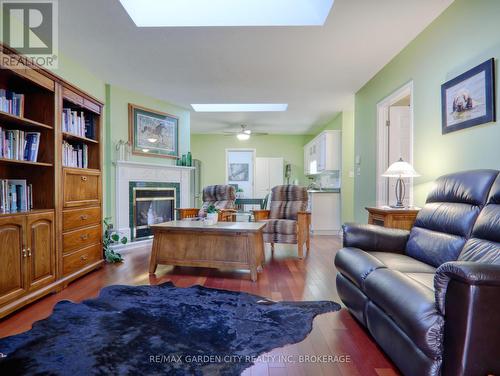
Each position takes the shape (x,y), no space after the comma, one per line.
(238,172)
(469,99)
(153,133)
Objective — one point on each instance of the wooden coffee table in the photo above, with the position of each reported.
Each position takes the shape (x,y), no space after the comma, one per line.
(233,245)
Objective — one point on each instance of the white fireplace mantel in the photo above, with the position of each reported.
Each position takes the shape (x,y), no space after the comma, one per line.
(128,171)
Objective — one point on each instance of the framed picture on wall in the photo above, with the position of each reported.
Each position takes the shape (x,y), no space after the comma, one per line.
(469,99)
(153,133)
(238,172)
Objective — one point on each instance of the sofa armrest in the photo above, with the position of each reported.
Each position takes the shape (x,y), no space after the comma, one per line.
(260,215)
(467,272)
(373,238)
(467,295)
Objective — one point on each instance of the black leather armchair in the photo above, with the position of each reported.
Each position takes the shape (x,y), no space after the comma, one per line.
(431,296)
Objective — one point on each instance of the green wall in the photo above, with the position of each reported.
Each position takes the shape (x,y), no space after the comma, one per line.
(117,128)
(465,35)
(211,150)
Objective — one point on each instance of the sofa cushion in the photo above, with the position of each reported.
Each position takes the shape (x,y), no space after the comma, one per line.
(432,247)
(356,264)
(411,305)
(402,263)
(279,238)
(426,279)
(281,226)
(287,201)
(446,221)
(484,246)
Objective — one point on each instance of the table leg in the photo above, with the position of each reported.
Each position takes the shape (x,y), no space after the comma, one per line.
(253,273)
(154,254)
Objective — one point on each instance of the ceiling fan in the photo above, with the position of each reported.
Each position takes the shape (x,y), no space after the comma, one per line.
(244,133)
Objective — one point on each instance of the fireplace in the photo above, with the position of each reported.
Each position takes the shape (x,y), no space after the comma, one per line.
(151,203)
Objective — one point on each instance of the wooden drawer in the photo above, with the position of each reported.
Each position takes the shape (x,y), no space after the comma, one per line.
(76,218)
(81,238)
(81,187)
(81,258)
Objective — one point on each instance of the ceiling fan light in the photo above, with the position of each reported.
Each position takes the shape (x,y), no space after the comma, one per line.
(243,136)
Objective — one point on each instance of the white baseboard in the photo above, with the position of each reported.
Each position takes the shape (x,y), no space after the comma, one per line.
(129,247)
(326,232)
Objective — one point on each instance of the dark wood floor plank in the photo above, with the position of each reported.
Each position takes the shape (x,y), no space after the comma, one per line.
(284,277)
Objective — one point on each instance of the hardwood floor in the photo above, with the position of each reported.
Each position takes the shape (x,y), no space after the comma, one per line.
(285,277)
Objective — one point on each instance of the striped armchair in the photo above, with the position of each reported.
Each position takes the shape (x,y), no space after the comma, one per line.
(221,196)
(287,221)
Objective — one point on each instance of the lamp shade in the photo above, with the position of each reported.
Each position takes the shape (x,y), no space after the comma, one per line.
(400,169)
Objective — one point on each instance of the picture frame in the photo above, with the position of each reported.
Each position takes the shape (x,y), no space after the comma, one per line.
(153,133)
(469,99)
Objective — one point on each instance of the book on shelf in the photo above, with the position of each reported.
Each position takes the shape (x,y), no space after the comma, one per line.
(78,123)
(11,102)
(19,145)
(75,155)
(16,195)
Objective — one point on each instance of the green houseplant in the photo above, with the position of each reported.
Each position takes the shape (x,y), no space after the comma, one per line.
(110,238)
(212,215)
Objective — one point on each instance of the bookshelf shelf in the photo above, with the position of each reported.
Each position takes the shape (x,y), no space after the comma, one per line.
(22,121)
(15,161)
(74,137)
(42,203)
(20,213)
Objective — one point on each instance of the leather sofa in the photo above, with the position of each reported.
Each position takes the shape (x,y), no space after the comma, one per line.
(430,297)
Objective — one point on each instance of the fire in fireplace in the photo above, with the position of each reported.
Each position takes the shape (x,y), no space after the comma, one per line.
(151,205)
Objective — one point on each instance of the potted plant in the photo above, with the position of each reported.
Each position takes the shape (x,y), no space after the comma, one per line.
(212,215)
(110,238)
(239,193)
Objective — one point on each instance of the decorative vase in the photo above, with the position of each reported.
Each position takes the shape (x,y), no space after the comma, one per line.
(212,218)
(189,159)
(183,160)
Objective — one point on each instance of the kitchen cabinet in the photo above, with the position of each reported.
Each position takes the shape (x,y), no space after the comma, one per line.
(323,153)
(325,212)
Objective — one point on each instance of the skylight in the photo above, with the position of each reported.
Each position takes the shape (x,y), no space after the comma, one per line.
(179,13)
(240,107)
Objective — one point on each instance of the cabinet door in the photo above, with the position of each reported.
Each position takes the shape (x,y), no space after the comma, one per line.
(276,171)
(306,160)
(321,153)
(40,250)
(12,260)
(261,177)
(333,151)
(81,187)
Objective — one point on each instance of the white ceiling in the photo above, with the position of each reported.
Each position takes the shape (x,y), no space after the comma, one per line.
(313,69)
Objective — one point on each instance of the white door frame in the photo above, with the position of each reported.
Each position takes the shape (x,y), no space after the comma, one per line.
(254,152)
(383,140)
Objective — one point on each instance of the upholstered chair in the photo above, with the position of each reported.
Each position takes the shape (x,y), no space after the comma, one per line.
(221,196)
(287,221)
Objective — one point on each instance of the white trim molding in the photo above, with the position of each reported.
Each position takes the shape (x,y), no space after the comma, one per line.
(383,140)
(128,171)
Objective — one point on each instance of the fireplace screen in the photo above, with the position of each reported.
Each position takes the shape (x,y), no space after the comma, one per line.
(151,206)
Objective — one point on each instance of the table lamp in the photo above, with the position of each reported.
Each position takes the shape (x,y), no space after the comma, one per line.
(400,170)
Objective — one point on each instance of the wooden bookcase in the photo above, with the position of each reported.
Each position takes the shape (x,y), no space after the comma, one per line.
(60,238)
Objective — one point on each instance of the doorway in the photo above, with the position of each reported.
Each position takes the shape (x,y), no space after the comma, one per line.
(394,141)
(240,171)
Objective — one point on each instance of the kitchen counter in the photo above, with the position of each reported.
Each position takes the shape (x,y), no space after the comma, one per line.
(326,190)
